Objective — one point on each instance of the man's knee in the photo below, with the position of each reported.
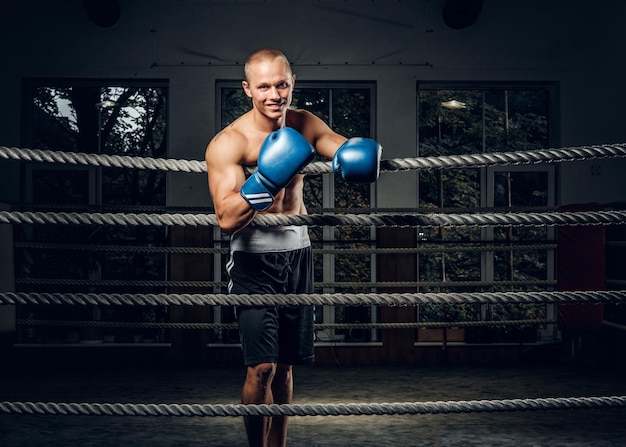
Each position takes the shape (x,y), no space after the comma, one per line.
(262,372)
(283,370)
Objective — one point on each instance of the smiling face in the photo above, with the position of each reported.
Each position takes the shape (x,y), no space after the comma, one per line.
(269,83)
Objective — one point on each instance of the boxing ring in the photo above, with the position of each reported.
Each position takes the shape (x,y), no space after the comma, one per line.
(379,218)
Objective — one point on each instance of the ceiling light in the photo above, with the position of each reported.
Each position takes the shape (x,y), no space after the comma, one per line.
(453,104)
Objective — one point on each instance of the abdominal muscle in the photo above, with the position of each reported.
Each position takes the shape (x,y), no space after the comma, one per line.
(289,200)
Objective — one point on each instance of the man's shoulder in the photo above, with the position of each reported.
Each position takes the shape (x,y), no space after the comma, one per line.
(307,123)
(295,115)
(238,143)
(231,137)
(227,146)
(301,119)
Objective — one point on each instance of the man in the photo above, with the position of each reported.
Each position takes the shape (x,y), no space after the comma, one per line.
(280,141)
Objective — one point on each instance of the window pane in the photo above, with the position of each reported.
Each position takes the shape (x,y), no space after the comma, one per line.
(471,121)
(516,120)
(61,186)
(91,117)
(450,131)
(450,188)
(65,189)
(351,111)
(128,121)
(315,100)
(234,103)
(521,189)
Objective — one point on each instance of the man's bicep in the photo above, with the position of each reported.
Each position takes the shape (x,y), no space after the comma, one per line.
(225,181)
(225,173)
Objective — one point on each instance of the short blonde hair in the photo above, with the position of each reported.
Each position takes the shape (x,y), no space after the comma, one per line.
(264,55)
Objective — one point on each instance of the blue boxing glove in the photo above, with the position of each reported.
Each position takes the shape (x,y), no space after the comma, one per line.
(358,160)
(282,155)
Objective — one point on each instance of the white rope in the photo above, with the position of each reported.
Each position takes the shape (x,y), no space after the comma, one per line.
(380,220)
(343,299)
(399,164)
(347,409)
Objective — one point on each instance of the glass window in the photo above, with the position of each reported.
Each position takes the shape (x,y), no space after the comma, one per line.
(93,117)
(473,120)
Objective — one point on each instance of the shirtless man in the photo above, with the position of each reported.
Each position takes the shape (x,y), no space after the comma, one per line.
(276,260)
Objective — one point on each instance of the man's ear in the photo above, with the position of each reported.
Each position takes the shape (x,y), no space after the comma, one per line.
(246,88)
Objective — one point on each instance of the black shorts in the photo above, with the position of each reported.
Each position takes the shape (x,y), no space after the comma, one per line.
(274,334)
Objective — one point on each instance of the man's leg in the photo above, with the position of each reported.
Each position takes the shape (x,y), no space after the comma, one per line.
(257,389)
(282,390)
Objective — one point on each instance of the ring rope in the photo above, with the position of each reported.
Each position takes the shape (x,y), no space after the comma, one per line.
(165,325)
(344,299)
(118,283)
(104,160)
(352,284)
(138,208)
(504,158)
(438,248)
(320,167)
(118,248)
(348,409)
(403,220)
(436,324)
(487,246)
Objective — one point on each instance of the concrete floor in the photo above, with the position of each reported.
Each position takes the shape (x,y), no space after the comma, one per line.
(320,384)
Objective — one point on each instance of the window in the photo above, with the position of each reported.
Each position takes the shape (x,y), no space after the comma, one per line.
(104,117)
(480,119)
(348,108)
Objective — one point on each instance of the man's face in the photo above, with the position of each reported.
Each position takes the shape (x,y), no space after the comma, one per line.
(270,86)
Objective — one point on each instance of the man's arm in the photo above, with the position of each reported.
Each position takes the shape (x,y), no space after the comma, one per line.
(323,138)
(357,159)
(226,175)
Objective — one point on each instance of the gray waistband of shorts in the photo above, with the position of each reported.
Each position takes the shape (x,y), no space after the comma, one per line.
(269,239)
